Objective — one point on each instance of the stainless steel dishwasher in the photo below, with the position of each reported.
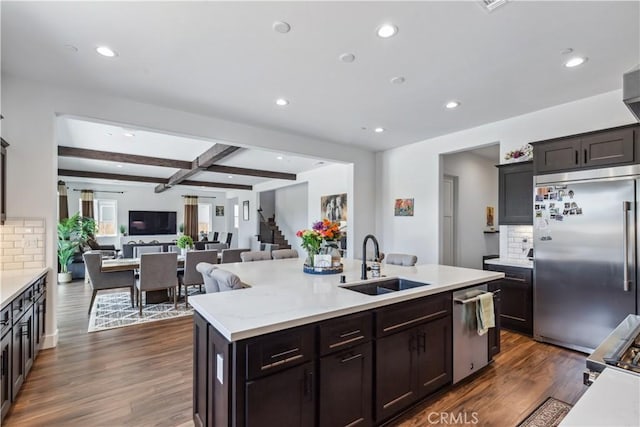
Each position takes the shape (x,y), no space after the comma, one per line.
(470,350)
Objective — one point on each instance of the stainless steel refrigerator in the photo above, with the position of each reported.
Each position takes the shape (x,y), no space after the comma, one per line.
(585,246)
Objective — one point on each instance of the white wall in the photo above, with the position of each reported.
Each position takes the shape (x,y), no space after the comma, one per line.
(477,189)
(143,198)
(292,212)
(30,109)
(415,170)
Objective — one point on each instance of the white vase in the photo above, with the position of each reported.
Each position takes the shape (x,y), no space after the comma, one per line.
(64,277)
(183,251)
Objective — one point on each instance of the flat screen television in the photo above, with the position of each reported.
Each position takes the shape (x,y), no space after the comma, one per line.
(144,223)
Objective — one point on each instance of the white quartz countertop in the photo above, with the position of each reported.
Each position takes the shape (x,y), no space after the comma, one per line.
(612,400)
(281,296)
(510,262)
(12,282)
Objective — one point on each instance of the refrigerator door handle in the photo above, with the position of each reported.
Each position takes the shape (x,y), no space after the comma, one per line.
(626,207)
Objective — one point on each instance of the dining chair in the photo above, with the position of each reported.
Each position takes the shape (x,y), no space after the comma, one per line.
(250,256)
(100,280)
(284,253)
(158,271)
(217,279)
(173,248)
(228,240)
(270,247)
(215,236)
(216,246)
(139,250)
(232,255)
(190,276)
(405,260)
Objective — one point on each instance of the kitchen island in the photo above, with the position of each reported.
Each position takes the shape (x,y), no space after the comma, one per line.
(298,349)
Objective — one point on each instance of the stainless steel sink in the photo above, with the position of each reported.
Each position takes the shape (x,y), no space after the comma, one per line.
(384,286)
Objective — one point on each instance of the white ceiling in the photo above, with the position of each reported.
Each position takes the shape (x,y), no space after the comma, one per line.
(224,59)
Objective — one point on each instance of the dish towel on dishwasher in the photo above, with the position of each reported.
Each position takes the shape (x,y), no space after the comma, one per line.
(484,313)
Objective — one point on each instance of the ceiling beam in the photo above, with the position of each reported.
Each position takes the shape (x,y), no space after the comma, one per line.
(201,163)
(161,181)
(251,172)
(122,158)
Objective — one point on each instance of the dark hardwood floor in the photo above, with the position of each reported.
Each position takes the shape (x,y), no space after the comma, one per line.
(141,376)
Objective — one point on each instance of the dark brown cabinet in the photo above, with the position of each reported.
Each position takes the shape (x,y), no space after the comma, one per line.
(610,147)
(3,180)
(515,193)
(494,333)
(6,348)
(413,352)
(39,314)
(516,298)
(23,350)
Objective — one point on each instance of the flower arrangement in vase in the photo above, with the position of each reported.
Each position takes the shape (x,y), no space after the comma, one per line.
(520,155)
(185,243)
(321,238)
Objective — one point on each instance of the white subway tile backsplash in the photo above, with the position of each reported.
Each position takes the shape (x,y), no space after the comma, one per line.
(22,243)
(518,241)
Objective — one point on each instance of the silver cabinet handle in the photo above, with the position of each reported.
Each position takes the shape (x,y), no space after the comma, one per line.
(626,207)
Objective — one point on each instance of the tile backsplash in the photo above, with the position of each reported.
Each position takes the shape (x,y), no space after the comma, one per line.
(22,243)
(518,242)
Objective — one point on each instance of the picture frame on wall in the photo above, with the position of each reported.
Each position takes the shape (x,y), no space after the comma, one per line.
(334,207)
(245,210)
(403,207)
(219,210)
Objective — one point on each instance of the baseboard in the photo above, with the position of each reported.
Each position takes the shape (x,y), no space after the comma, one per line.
(50,341)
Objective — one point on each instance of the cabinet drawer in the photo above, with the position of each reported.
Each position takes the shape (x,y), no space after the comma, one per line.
(40,288)
(337,334)
(280,350)
(523,275)
(405,315)
(5,319)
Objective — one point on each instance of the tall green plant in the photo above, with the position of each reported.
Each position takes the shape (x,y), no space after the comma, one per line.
(69,230)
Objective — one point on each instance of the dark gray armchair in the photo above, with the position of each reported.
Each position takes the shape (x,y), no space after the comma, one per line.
(190,276)
(100,280)
(158,271)
(217,279)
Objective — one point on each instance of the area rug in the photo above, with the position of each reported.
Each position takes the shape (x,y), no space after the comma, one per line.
(549,414)
(113,310)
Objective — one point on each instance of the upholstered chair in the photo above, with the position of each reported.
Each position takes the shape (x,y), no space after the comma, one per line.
(217,279)
(190,276)
(101,280)
(404,260)
(173,248)
(232,255)
(284,253)
(215,237)
(139,250)
(158,271)
(270,247)
(255,256)
(228,240)
(217,246)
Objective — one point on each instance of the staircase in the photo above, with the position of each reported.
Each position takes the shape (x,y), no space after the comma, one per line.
(271,233)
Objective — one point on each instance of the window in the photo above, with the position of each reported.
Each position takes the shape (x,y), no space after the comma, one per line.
(236,216)
(204,218)
(106,215)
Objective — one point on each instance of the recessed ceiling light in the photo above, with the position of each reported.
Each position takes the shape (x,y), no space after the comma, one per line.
(230,176)
(347,57)
(378,130)
(387,30)
(281,27)
(452,104)
(129,134)
(279,157)
(397,80)
(281,102)
(575,61)
(106,51)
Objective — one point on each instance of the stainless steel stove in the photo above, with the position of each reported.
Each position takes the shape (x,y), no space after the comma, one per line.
(620,350)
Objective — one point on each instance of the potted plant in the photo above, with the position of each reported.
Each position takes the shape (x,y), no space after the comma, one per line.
(123,230)
(184,242)
(181,228)
(68,234)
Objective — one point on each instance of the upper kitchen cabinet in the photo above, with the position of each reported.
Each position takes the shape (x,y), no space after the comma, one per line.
(515,198)
(610,147)
(3,179)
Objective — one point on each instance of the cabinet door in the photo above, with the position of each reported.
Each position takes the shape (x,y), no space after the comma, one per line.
(39,318)
(395,373)
(434,367)
(17,358)
(200,374)
(29,340)
(345,388)
(285,398)
(516,305)
(608,148)
(515,203)
(557,155)
(5,374)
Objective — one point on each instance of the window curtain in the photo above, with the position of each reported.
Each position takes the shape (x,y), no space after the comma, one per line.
(191,217)
(87,203)
(63,202)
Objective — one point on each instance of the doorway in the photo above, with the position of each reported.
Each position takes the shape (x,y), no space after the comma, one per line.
(449,211)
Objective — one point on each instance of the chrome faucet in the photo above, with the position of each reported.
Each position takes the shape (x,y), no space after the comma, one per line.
(363,276)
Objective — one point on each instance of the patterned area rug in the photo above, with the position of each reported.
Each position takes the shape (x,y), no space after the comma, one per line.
(549,414)
(113,310)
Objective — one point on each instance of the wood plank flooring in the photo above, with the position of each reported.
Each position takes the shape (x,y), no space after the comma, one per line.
(142,376)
